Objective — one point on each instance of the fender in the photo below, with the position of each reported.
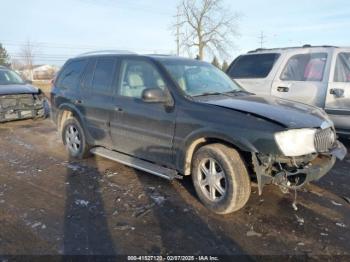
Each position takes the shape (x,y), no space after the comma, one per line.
(203,136)
(77,114)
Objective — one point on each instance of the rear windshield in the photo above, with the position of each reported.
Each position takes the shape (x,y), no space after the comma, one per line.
(253,66)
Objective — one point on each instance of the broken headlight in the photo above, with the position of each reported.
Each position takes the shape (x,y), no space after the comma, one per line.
(296,142)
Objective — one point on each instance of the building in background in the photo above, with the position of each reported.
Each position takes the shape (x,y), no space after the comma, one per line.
(39,72)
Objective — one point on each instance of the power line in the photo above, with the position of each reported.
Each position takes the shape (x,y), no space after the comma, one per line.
(262,39)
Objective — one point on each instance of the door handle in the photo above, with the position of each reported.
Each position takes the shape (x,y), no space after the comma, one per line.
(283,89)
(337,92)
(118,109)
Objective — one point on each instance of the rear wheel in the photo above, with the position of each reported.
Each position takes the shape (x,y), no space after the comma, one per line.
(74,139)
(220,178)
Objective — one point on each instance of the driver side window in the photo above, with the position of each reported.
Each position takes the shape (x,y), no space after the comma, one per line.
(136,76)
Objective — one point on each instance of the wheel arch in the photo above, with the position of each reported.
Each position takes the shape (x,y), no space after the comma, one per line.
(65,112)
(200,140)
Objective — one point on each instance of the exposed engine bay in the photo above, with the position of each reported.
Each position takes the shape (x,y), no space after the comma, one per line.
(294,172)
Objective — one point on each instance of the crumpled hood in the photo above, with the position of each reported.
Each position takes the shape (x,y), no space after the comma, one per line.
(18,89)
(288,113)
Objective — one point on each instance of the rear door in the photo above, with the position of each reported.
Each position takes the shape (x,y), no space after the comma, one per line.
(97,103)
(141,129)
(67,86)
(303,77)
(255,72)
(338,95)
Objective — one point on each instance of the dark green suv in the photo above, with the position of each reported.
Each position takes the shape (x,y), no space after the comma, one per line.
(175,117)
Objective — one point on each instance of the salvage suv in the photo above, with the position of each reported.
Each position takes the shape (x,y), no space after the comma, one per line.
(174,117)
(315,75)
(18,99)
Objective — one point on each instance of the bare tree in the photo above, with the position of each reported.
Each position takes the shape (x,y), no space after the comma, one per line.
(28,53)
(207,25)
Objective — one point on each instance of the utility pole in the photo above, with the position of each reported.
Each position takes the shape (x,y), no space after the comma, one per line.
(178,31)
(262,39)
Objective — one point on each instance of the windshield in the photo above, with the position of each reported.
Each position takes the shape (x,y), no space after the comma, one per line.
(8,77)
(198,78)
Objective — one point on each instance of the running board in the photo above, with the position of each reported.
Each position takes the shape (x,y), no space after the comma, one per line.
(136,163)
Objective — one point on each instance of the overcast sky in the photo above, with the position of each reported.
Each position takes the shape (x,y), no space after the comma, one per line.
(66,28)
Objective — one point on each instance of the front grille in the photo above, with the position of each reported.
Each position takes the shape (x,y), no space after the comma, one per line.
(324,140)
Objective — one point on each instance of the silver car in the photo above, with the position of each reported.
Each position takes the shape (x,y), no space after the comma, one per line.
(313,75)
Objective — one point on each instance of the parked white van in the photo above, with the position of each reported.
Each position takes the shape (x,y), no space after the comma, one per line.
(316,75)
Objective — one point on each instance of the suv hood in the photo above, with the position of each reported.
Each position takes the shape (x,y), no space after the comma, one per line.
(18,89)
(287,113)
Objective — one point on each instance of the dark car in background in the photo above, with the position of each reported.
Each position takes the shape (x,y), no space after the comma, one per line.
(175,117)
(18,99)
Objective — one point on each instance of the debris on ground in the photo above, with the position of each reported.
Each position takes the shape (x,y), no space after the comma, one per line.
(123,227)
(295,207)
(110,173)
(336,203)
(341,225)
(324,234)
(142,211)
(252,233)
(347,199)
(74,167)
(300,220)
(39,224)
(301,244)
(159,200)
(82,203)
(140,196)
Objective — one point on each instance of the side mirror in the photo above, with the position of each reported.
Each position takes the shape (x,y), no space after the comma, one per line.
(154,95)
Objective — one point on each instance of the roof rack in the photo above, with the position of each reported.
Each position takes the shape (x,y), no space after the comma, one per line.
(107,52)
(293,47)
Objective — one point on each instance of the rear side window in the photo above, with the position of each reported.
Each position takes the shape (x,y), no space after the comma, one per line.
(342,68)
(305,67)
(104,74)
(69,78)
(253,66)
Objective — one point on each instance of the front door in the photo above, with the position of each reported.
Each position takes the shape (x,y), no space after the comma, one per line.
(338,95)
(144,130)
(303,78)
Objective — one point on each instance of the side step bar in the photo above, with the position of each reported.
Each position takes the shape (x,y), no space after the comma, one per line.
(136,163)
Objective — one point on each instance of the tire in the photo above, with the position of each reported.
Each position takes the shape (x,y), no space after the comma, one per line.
(74,139)
(229,189)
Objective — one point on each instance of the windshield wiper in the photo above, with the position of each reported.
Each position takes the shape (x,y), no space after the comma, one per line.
(238,91)
(209,94)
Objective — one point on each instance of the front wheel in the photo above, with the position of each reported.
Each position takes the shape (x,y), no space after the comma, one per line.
(220,178)
(74,139)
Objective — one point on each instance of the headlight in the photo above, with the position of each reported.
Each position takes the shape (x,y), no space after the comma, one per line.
(296,142)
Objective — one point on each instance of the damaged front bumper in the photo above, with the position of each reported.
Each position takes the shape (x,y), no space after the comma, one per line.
(21,106)
(294,173)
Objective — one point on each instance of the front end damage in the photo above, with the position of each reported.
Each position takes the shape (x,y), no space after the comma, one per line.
(21,106)
(294,172)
